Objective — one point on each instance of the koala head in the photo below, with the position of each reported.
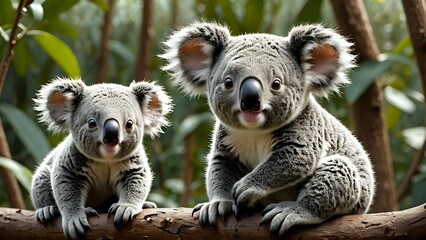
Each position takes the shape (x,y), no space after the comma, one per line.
(257,81)
(107,121)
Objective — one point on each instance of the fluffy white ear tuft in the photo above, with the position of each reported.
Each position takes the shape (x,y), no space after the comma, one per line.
(155,105)
(324,56)
(191,53)
(56,102)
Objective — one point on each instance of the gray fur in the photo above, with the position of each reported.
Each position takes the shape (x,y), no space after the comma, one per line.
(294,157)
(83,171)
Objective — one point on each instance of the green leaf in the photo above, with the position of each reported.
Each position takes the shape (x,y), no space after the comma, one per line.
(399,100)
(230,16)
(58,51)
(189,124)
(365,74)
(21,173)
(253,15)
(52,9)
(101,3)
(30,134)
(363,77)
(310,13)
(57,25)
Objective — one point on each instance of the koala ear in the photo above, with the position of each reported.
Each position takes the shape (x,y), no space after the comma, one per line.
(56,101)
(323,55)
(191,52)
(155,104)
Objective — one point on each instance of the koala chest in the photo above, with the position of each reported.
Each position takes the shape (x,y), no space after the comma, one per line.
(103,182)
(251,147)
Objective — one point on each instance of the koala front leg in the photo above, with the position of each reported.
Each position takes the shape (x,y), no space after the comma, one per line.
(281,170)
(132,190)
(70,188)
(222,173)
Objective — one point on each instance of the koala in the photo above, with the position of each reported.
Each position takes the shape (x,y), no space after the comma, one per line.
(102,158)
(273,146)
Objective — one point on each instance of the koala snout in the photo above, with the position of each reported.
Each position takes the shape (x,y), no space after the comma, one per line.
(250,95)
(111,131)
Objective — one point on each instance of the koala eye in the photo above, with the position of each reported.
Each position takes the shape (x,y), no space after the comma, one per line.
(92,123)
(228,83)
(276,84)
(129,125)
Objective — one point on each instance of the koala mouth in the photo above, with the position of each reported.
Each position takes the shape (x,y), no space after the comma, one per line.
(108,149)
(251,119)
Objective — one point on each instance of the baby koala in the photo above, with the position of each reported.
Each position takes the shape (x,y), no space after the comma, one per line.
(102,158)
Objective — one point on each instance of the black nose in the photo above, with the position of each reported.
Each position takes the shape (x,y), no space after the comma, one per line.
(111,130)
(250,95)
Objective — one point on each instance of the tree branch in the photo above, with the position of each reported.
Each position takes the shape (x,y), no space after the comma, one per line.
(368,111)
(102,72)
(177,223)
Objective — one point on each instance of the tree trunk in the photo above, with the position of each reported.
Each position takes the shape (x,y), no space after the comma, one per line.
(101,76)
(13,191)
(175,11)
(368,110)
(187,170)
(145,45)
(416,20)
(177,223)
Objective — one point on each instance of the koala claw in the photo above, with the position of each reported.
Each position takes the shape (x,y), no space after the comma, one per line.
(285,215)
(148,204)
(124,213)
(76,226)
(246,194)
(210,211)
(47,214)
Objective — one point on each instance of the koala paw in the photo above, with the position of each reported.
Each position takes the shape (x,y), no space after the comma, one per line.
(47,214)
(124,213)
(148,204)
(210,211)
(287,214)
(246,193)
(75,226)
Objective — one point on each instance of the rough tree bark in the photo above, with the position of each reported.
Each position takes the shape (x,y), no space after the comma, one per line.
(13,191)
(177,223)
(101,76)
(415,13)
(368,111)
(145,43)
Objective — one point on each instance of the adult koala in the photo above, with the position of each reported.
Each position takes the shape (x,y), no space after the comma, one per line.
(273,144)
(103,155)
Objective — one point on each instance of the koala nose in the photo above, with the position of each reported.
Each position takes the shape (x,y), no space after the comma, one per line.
(111,130)
(250,95)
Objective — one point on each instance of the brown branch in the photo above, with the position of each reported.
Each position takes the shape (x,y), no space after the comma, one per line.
(414,166)
(8,55)
(101,76)
(416,19)
(145,46)
(13,191)
(177,223)
(368,111)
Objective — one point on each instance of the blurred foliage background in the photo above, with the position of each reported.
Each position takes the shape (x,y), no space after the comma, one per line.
(62,38)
